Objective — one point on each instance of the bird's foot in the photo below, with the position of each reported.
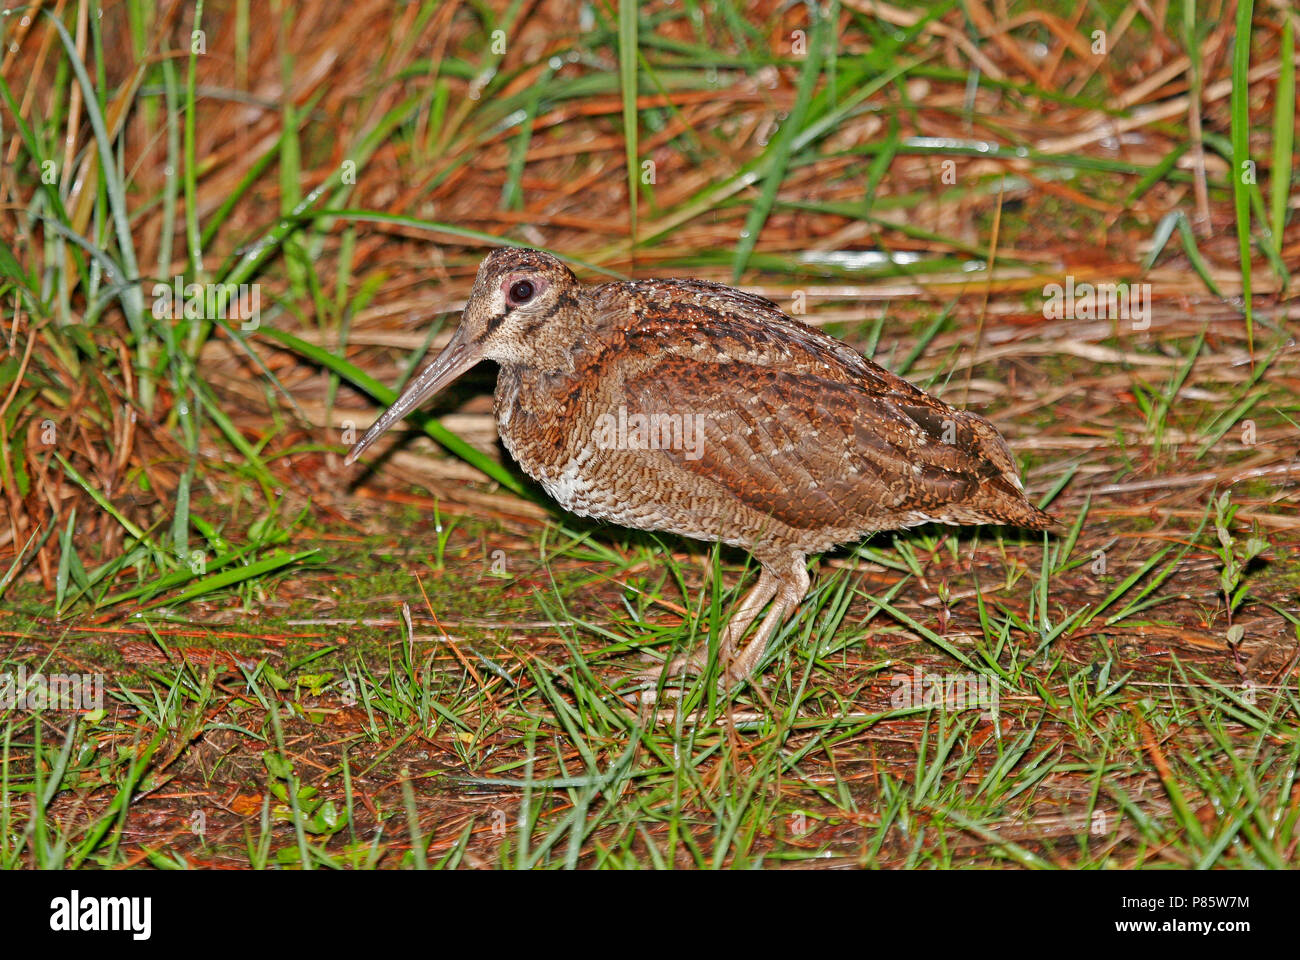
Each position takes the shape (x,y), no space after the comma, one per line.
(697,662)
(650,679)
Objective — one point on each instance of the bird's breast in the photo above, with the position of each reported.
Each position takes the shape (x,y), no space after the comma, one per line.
(545,422)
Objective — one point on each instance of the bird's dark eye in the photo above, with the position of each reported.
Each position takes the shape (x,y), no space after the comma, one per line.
(521,291)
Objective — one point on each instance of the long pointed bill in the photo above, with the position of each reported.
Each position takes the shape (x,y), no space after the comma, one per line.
(450,364)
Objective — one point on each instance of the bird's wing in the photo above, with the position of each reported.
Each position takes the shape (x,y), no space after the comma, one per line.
(817,450)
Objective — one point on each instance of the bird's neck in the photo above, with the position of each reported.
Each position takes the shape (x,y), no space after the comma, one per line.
(550,346)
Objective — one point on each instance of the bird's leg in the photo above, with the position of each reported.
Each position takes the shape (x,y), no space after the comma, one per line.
(790,592)
(749,608)
(785,593)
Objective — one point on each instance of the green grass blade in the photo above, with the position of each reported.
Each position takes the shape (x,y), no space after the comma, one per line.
(780,149)
(1283,134)
(1177,220)
(228,578)
(66,550)
(131,297)
(1240,109)
(103,501)
(193,237)
(627,75)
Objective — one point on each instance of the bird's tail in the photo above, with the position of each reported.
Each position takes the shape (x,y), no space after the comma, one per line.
(1002,492)
(1034,519)
(1003,503)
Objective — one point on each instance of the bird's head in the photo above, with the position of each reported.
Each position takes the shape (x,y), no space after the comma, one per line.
(516,293)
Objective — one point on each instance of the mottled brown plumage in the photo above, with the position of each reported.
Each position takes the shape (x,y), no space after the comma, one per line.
(691,407)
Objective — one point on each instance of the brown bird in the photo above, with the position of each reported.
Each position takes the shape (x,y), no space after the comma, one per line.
(694,408)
